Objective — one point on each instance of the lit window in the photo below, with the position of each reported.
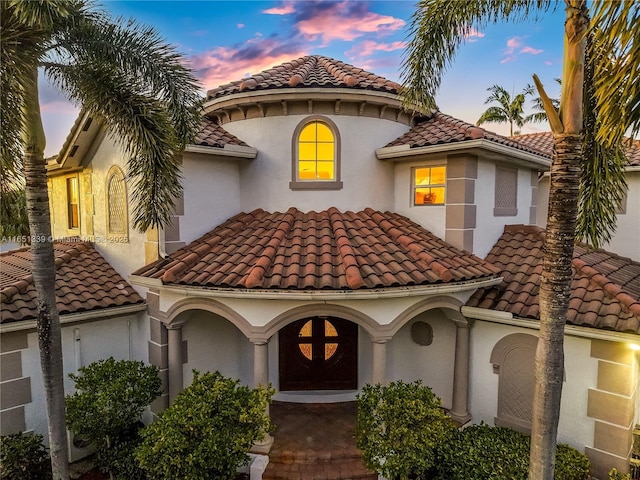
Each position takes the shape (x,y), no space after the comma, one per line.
(316,147)
(73,214)
(429,185)
(117,220)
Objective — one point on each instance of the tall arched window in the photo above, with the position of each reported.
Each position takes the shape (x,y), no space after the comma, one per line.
(316,155)
(117,215)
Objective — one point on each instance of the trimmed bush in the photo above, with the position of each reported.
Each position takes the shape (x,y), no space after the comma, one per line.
(399,428)
(482,452)
(616,475)
(23,456)
(106,409)
(207,432)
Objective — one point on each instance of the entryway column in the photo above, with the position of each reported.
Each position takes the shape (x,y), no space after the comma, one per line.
(460,403)
(260,363)
(379,374)
(261,379)
(175,359)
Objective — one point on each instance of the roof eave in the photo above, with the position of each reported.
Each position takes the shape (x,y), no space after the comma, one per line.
(70,318)
(276,94)
(238,151)
(317,295)
(507,318)
(405,152)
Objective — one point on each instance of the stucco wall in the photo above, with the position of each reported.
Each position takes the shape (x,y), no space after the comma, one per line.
(575,427)
(367,181)
(433,364)
(98,340)
(214,343)
(490,227)
(212,193)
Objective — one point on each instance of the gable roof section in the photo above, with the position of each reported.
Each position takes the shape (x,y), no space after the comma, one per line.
(544,142)
(441,129)
(84,282)
(308,72)
(605,292)
(327,250)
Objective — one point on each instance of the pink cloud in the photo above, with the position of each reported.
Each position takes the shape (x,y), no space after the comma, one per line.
(58,106)
(368,47)
(531,50)
(224,64)
(514,44)
(285,9)
(342,21)
(240,25)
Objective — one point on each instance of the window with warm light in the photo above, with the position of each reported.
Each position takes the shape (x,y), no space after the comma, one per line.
(429,185)
(316,156)
(73,203)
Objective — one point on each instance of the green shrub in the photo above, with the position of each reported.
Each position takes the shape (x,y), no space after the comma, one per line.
(108,403)
(482,452)
(399,427)
(207,432)
(23,456)
(616,475)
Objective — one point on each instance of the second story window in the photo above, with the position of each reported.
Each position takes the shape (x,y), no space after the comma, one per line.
(316,147)
(73,203)
(429,185)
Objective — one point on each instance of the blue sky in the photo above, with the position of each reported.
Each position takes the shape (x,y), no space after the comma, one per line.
(228,40)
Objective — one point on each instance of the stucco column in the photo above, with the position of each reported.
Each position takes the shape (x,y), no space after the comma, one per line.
(260,363)
(379,374)
(460,403)
(261,379)
(175,359)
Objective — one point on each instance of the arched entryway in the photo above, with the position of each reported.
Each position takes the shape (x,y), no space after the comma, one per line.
(318,353)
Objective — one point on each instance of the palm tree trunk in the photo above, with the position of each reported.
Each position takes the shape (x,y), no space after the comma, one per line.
(555,283)
(43,268)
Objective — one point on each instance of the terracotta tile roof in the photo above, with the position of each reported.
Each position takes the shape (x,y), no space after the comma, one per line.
(213,135)
(440,128)
(308,72)
(605,288)
(327,250)
(84,282)
(544,142)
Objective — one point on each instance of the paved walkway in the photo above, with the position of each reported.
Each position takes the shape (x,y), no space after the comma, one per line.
(315,441)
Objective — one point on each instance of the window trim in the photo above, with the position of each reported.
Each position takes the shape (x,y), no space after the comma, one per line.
(70,226)
(119,237)
(412,190)
(296,184)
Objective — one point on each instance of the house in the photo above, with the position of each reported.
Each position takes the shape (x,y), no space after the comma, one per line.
(328,238)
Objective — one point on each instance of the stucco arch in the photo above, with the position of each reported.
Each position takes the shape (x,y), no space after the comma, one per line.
(369,324)
(212,306)
(450,305)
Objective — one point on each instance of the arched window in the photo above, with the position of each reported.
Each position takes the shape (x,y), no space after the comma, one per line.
(316,155)
(117,216)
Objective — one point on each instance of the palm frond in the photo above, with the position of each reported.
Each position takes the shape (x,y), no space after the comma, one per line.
(125,74)
(439,27)
(493,115)
(617,89)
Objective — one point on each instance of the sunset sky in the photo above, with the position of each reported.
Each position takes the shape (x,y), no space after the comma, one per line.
(228,40)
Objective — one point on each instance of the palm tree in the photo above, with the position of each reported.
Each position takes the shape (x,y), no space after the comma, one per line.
(438,28)
(120,72)
(539,115)
(509,109)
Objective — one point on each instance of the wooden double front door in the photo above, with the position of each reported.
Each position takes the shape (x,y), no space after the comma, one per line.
(319,353)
